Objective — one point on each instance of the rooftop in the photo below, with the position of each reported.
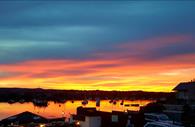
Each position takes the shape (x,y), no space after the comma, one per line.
(183,86)
(23,118)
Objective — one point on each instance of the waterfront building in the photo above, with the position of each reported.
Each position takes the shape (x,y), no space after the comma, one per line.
(185,92)
(23,119)
(90,117)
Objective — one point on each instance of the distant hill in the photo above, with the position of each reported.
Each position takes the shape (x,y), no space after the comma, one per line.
(55,95)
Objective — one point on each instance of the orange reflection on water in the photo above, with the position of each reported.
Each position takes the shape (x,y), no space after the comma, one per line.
(58,110)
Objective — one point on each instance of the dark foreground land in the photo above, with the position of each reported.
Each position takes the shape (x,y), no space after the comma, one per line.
(17,94)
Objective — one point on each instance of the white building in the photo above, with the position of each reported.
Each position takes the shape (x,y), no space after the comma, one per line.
(90,117)
(90,120)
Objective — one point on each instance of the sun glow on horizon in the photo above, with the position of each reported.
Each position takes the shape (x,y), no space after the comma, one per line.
(96,75)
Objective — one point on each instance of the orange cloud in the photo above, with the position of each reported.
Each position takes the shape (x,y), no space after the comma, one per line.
(160,75)
(106,71)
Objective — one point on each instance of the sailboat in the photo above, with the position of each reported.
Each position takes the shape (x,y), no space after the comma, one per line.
(97,102)
(122,102)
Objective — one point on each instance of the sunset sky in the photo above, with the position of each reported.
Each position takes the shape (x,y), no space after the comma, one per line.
(147,46)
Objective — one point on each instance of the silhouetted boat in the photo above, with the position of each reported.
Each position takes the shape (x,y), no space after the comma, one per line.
(114,102)
(97,102)
(127,105)
(111,101)
(135,105)
(122,102)
(84,102)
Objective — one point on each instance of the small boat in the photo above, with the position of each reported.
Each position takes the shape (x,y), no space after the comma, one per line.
(127,105)
(111,101)
(114,102)
(122,102)
(135,105)
(97,102)
(84,102)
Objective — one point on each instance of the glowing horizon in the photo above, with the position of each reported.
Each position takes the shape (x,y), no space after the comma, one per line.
(99,74)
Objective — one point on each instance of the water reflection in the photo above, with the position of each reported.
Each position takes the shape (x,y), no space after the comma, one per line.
(65,109)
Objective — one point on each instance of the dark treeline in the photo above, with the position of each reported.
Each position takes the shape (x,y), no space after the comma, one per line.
(17,94)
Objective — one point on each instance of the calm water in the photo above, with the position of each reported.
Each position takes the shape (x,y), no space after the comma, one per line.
(58,110)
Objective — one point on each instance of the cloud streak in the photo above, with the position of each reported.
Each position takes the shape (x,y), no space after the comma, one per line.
(92,73)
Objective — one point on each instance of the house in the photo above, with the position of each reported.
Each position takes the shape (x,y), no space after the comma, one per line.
(23,118)
(33,120)
(185,92)
(90,117)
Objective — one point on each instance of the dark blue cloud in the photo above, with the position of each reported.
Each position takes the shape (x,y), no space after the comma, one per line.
(185,48)
(76,30)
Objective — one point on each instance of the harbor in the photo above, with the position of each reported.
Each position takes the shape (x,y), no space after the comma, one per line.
(54,110)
